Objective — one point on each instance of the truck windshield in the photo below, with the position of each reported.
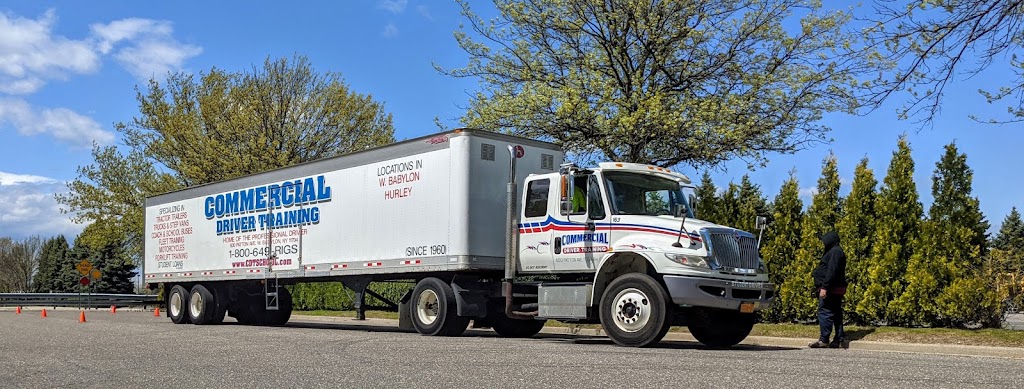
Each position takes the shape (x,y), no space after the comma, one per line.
(644,194)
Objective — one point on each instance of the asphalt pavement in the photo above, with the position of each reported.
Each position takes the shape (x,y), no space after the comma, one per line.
(135,349)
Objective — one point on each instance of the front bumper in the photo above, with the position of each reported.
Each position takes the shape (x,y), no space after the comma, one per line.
(713,293)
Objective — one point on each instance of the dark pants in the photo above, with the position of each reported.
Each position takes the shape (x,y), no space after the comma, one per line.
(830,313)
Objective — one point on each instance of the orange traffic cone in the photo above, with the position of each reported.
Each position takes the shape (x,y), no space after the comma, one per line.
(81,317)
(44,313)
(113,309)
(156,313)
(17,310)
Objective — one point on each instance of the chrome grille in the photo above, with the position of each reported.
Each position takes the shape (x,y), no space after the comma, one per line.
(731,250)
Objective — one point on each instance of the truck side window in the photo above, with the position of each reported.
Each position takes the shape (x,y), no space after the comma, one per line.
(594,201)
(537,198)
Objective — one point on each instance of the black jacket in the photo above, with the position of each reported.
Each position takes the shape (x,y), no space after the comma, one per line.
(831,270)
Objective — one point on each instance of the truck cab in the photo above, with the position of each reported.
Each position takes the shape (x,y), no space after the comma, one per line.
(633,227)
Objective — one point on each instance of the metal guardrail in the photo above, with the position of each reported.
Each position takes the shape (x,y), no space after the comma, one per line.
(95,300)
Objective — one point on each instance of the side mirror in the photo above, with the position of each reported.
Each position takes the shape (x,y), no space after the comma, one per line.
(760,223)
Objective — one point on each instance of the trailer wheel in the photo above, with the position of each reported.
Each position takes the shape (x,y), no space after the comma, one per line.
(720,328)
(434,310)
(284,308)
(177,306)
(515,328)
(201,305)
(251,311)
(634,310)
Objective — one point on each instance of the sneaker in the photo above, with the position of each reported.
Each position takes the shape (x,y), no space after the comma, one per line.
(839,344)
(818,344)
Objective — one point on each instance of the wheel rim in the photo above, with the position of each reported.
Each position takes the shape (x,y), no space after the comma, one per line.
(196,303)
(427,307)
(175,304)
(632,310)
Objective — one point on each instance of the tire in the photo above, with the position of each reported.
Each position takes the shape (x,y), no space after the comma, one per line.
(634,311)
(433,309)
(720,328)
(284,309)
(177,305)
(515,328)
(251,310)
(202,306)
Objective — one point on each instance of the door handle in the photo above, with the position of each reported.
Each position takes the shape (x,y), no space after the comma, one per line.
(558,245)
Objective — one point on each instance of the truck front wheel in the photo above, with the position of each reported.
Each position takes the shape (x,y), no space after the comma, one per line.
(634,310)
(434,310)
(720,328)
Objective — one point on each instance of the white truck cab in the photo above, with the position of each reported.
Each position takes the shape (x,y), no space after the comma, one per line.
(622,218)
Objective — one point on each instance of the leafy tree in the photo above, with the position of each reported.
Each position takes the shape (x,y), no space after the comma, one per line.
(18,261)
(822,217)
(950,246)
(857,233)
(51,260)
(927,39)
(783,239)
(707,199)
(896,230)
(224,125)
(662,82)
(1006,260)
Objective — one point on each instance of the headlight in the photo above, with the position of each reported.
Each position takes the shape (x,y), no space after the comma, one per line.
(688,260)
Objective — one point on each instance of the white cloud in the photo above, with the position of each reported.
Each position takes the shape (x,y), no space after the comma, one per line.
(149,49)
(30,54)
(393,6)
(390,30)
(30,209)
(62,124)
(16,179)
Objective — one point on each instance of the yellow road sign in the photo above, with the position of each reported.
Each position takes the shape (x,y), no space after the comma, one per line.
(84,267)
(96,274)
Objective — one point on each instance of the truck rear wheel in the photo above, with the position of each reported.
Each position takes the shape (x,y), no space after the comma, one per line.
(434,310)
(634,310)
(720,328)
(177,305)
(202,307)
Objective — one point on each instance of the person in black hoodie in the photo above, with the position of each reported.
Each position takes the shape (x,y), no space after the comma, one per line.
(829,287)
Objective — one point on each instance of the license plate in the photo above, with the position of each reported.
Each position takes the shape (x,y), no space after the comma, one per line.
(747,307)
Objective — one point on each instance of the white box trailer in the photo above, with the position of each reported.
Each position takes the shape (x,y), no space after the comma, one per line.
(439,210)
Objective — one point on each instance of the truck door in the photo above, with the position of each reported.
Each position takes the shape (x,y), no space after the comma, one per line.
(580,237)
(535,246)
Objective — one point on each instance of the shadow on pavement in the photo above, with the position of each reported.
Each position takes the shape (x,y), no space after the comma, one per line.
(858,334)
(685,345)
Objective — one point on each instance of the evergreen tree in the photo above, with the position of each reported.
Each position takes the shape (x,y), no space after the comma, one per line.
(707,199)
(822,217)
(897,227)
(728,210)
(751,204)
(69,276)
(782,239)
(1011,233)
(950,246)
(856,234)
(51,261)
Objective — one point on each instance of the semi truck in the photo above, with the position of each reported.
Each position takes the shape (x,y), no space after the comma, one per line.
(493,229)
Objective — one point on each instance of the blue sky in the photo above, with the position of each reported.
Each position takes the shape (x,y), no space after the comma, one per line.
(68,72)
